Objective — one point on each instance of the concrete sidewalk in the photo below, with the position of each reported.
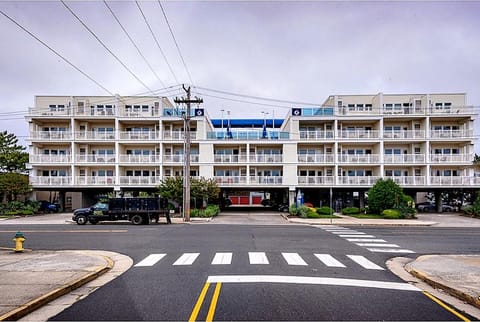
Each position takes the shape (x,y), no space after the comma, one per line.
(348,220)
(33,279)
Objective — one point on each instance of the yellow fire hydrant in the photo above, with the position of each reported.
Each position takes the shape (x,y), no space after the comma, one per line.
(18,239)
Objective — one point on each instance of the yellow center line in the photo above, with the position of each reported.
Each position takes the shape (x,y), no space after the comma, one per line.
(69,231)
(446,307)
(198,305)
(213,304)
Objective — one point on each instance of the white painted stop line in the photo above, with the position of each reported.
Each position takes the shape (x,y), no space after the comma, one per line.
(150,260)
(310,280)
(294,259)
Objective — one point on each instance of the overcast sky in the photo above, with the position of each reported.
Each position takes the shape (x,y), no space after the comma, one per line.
(289,50)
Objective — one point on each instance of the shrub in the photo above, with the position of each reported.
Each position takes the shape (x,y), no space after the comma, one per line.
(351,211)
(293,210)
(209,211)
(312,214)
(385,194)
(325,211)
(303,211)
(392,214)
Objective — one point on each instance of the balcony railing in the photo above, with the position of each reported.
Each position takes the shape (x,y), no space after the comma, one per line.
(357,181)
(450,158)
(408,180)
(175,158)
(50,181)
(129,135)
(266,158)
(266,180)
(92,135)
(230,158)
(177,135)
(452,134)
(316,181)
(230,180)
(406,134)
(131,180)
(95,180)
(131,158)
(359,158)
(94,158)
(453,181)
(317,135)
(51,135)
(403,158)
(248,135)
(42,158)
(358,134)
(316,158)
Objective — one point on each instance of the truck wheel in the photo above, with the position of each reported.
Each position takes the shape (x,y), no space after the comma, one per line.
(81,220)
(137,220)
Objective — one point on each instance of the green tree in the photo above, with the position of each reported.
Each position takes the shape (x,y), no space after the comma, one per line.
(171,188)
(13,157)
(202,189)
(385,194)
(13,185)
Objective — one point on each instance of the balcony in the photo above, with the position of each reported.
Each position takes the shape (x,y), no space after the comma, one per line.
(357,181)
(452,134)
(51,135)
(95,158)
(452,110)
(32,112)
(270,180)
(453,181)
(266,158)
(230,158)
(316,158)
(96,136)
(142,136)
(42,158)
(316,181)
(230,180)
(406,134)
(451,158)
(358,134)
(37,181)
(248,135)
(131,158)
(176,158)
(94,180)
(177,135)
(133,181)
(317,135)
(359,158)
(403,158)
(408,180)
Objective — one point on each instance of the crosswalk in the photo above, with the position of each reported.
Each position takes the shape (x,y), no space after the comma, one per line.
(261,258)
(370,242)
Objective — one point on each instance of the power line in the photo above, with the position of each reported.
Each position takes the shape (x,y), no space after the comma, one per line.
(156,41)
(105,46)
(175,40)
(133,43)
(56,53)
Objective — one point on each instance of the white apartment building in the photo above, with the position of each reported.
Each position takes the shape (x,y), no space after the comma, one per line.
(98,144)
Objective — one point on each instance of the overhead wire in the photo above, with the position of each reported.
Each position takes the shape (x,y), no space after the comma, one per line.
(56,53)
(176,43)
(156,41)
(105,46)
(133,43)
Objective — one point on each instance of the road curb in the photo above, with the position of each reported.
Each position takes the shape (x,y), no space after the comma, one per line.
(56,293)
(450,290)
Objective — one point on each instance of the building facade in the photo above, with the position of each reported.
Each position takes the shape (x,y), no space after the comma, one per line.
(92,145)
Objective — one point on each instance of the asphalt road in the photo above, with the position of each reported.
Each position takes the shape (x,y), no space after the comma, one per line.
(283,280)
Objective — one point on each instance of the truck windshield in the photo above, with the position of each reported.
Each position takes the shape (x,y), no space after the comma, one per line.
(100,206)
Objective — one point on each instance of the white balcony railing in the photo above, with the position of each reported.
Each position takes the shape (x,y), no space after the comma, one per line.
(266,180)
(358,134)
(95,158)
(408,180)
(131,180)
(230,158)
(452,134)
(316,158)
(230,180)
(175,158)
(266,158)
(131,158)
(50,181)
(450,158)
(51,135)
(177,135)
(452,181)
(316,181)
(359,158)
(405,134)
(317,135)
(42,158)
(357,181)
(93,135)
(403,158)
(95,180)
(129,135)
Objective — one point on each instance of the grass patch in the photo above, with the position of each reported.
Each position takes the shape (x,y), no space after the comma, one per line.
(367,216)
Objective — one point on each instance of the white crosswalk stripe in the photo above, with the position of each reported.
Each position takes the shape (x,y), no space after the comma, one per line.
(258,258)
(376,245)
(186,259)
(351,232)
(294,259)
(366,240)
(365,263)
(328,260)
(390,250)
(356,236)
(150,260)
(222,259)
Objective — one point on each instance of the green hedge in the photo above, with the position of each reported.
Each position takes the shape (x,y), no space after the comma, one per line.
(210,211)
(325,211)
(351,211)
(392,214)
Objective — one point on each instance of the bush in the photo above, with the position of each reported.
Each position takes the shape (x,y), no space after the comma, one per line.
(325,211)
(312,214)
(351,211)
(293,210)
(385,194)
(210,211)
(303,211)
(392,214)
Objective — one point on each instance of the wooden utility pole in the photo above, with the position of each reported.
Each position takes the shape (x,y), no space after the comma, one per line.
(186,161)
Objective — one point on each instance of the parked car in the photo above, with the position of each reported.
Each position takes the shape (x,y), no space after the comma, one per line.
(425,207)
(448,208)
(48,207)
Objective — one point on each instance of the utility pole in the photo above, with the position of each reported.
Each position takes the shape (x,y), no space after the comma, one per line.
(186,161)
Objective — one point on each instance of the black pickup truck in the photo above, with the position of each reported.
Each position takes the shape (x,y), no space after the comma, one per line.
(137,210)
